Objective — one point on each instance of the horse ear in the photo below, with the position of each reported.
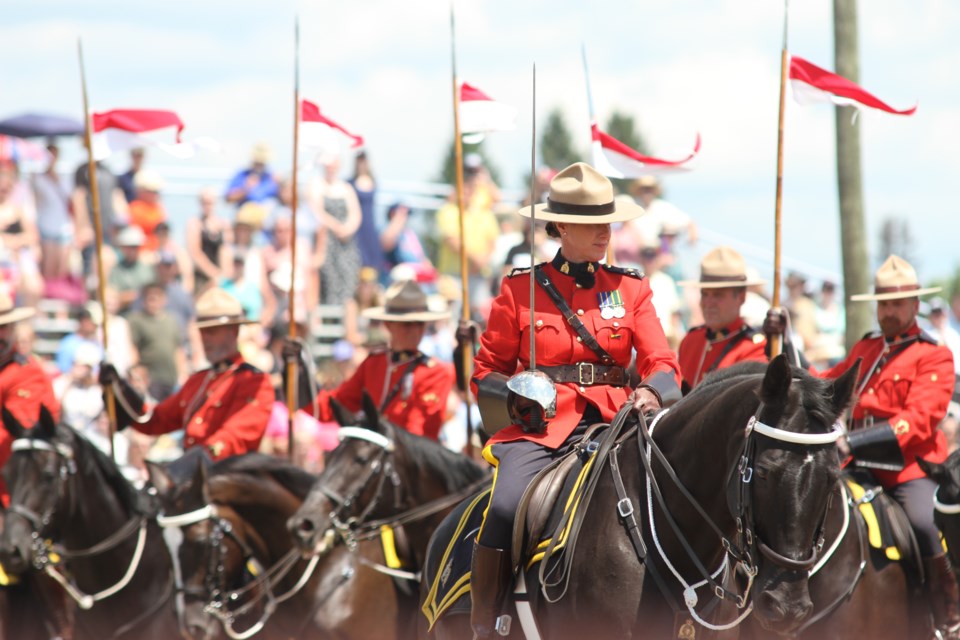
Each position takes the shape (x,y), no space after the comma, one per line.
(12,425)
(776,381)
(340,413)
(843,387)
(371,413)
(936,472)
(160,478)
(46,426)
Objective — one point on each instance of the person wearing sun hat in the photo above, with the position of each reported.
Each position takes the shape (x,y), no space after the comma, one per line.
(724,338)
(24,386)
(409,387)
(589,319)
(906,382)
(224,408)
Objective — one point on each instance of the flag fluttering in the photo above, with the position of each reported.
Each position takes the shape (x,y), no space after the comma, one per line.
(481,114)
(317,130)
(615,159)
(811,84)
(125,129)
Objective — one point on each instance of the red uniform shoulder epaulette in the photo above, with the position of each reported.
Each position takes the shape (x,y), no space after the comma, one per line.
(519,271)
(926,337)
(246,366)
(870,335)
(624,271)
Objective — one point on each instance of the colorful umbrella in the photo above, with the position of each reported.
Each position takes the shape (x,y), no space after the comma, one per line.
(32,125)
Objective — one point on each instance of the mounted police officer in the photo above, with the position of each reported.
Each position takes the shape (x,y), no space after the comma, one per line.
(224,408)
(903,395)
(589,318)
(724,338)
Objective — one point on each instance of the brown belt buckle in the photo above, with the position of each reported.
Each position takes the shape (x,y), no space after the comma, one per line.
(580,369)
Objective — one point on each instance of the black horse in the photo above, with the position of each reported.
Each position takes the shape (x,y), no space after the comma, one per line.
(241,569)
(75,517)
(738,498)
(382,476)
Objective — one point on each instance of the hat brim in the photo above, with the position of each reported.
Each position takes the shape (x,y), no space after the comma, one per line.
(721,284)
(380,313)
(16,315)
(623,211)
(225,321)
(894,295)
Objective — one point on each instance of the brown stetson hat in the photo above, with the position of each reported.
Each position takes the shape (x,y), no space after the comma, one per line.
(217,308)
(722,267)
(582,195)
(405,302)
(896,278)
(10,313)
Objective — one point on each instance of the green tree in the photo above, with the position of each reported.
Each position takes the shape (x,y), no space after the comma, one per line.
(622,127)
(556,143)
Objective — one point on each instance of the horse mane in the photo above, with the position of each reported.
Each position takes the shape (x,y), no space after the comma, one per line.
(291,477)
(90,460)
(457,471)
(815,393)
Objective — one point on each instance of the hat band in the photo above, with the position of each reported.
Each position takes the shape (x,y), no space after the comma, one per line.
(903,287)
(223,319)
(405,310)
(581,209)
(704,277)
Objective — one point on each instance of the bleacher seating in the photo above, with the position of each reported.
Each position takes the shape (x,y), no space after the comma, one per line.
(52,322)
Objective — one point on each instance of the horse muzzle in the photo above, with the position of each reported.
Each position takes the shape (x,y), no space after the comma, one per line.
(782,600)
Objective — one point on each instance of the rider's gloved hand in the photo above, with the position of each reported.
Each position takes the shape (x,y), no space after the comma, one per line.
(292,348)
(108,374)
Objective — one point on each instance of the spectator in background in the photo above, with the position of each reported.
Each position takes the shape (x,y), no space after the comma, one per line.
(666,299)
(310,229)
(19,239)
(131,273)
(86,334)
(114,212)
(167,247)
(831,325)
(120,352)
(340,214)
(399,243)
(938,326)
(208,238)
(803,311)
(77,391)
(356,324)
(658,213)
(157,337)
(54,220)
(365,186)
(255,183)
(249,293)
(126,180)
(146,210)
(277,257)
(179,303)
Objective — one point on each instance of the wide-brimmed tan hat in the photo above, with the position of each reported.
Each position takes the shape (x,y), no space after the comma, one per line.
(217,308)
(645,182)
(896,278)
(148,180)
(9,313)
(261,153)
(723,267)
(405,302)
(582,195)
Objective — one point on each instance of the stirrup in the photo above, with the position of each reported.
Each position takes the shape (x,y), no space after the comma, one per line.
(502,625)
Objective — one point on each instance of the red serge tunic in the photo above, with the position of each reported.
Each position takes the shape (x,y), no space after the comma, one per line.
(910,391)
(417,406)
(225,411)
(700,354)
(505,345)
(24,387)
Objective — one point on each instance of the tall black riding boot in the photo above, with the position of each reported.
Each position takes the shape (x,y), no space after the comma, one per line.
(490,578)
(944,595)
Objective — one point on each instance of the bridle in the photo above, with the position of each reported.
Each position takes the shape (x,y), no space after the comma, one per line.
(216,594)
(46,556)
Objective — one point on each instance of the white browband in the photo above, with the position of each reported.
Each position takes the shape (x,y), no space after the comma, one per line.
(184,519)
(29,444)
(949,509)
(380,440)
(792,436)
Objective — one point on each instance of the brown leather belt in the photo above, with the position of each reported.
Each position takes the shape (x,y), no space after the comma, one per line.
(587,374)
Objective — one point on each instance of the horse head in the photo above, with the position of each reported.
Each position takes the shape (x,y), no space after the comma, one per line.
(781,485)
(37,477)
(946,501)
(185,504)
(359,480)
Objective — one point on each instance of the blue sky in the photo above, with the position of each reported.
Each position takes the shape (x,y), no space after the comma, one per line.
(383,69)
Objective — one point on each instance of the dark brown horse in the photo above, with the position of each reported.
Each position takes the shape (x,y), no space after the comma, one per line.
(242,574)
(738,475)
(74,516)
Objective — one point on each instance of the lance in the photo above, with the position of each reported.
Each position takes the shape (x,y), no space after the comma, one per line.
(292,385)
(466,363)
(593,120)
(98,232)
(776,343)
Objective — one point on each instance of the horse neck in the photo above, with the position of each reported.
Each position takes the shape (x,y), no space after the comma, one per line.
(98,511)
(264,505)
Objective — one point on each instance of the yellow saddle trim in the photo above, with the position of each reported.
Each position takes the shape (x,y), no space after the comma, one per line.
(390,555)
(870,517)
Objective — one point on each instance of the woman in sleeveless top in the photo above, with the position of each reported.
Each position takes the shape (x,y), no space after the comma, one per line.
(365,186)
(207,238)
(340,212)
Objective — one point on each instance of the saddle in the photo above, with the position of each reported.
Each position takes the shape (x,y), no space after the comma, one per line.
(888,528)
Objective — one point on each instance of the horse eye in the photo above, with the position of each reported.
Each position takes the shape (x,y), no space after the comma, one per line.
(362,459)
(762,472)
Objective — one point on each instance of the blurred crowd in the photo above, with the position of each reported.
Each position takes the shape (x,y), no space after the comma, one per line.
(348,246)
